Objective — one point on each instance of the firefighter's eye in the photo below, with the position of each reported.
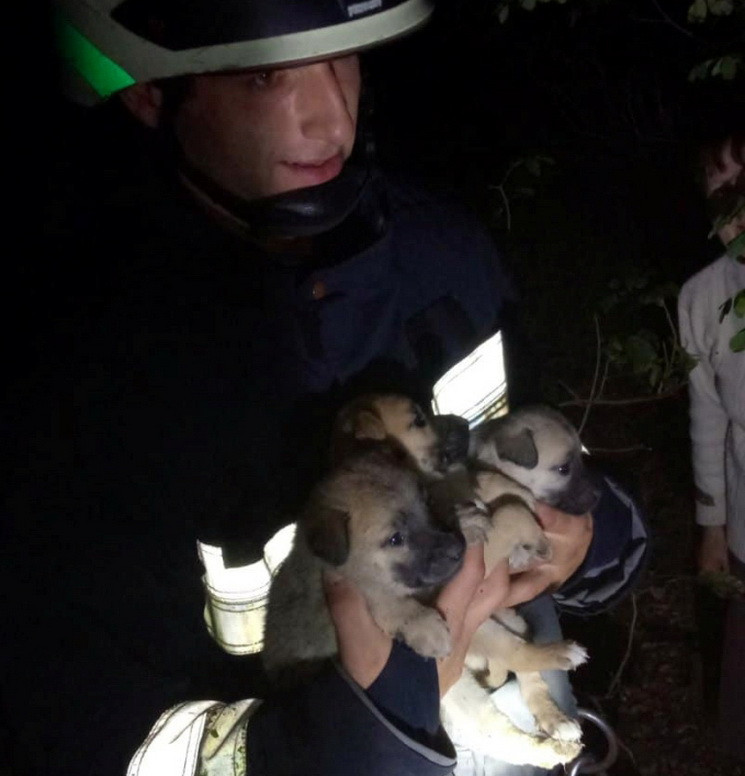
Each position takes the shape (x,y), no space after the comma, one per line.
(397,540)
(260,79)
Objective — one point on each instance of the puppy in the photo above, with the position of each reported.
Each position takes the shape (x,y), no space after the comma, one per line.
(491,507)
(537,448)
(368,521)
(432,445)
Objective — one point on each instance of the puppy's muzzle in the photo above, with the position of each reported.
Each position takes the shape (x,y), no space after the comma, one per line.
(434,557)
(581,496)
(454,436)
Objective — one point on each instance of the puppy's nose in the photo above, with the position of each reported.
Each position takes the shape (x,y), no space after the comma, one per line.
(456,546)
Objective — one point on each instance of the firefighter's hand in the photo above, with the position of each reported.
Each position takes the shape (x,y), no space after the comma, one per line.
(465,602)
(570,537)
(712,550)
(363,648)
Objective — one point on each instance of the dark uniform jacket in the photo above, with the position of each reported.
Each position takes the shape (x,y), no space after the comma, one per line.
(175,384)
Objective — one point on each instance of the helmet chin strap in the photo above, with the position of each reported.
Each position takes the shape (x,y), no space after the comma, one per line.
(312,226)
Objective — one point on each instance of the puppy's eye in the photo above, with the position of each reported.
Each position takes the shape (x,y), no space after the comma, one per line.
(396,540)
(564,469)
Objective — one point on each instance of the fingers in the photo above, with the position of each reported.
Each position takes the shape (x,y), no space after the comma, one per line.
(455,596)
(712,551)
(570,537)
(529,584)
(363,647)
(465,602)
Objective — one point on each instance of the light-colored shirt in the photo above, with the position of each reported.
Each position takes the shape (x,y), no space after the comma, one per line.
(711,314)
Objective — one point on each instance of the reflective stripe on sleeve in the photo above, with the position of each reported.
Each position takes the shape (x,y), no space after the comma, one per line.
(476,387)
(236,597)
(199,737)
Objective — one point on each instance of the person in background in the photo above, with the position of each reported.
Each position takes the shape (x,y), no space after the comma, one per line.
(711,315)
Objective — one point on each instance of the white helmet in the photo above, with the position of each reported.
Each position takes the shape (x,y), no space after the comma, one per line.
(107,45)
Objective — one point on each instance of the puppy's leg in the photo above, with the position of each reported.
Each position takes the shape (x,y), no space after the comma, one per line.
(474,520)
(421,627)
(549,718)
(472,720)
(515,534)
(491,485)
(501,649)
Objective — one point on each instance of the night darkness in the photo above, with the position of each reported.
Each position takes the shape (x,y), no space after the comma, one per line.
(600,88)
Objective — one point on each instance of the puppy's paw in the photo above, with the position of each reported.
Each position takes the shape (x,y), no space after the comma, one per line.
(428,634)
(474,520)
(524,553)
(563,751)
(571,654)
(556,725)
(540,752)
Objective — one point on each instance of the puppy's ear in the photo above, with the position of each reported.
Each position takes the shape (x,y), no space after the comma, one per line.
(327,534)
(367,425)
(518,448)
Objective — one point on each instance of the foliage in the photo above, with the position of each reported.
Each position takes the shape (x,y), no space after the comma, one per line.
(736,306)
(519,181)
(722,584)
(727,65)
(649,354)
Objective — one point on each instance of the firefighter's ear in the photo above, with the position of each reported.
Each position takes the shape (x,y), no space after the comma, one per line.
(327,533)
(144,102)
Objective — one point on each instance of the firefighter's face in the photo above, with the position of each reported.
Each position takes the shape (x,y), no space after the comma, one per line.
(262,133)
(724,182)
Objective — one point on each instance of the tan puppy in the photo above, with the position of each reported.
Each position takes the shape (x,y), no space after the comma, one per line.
(369,522)
(400,421)
(494,508)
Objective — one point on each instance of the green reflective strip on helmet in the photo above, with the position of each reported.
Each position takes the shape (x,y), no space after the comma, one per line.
(105,76)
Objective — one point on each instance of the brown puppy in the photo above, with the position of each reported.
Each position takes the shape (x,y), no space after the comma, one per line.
(369,522)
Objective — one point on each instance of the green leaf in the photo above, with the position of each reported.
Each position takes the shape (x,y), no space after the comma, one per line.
(736,248)
(640,352)
(720,7)
(700,71)
(737,343)
(739,304)
(528,5)
(730,66)
(688,362)
(722,584)
(697,11)
(503,13)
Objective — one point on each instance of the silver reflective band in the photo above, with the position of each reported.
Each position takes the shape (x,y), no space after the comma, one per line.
(236,598)
(357,8)
(198,737)
(476,387)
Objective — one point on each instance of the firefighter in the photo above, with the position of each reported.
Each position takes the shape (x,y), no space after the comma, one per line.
(225,265)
